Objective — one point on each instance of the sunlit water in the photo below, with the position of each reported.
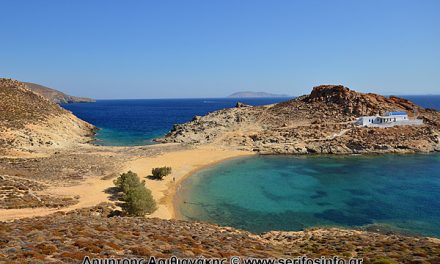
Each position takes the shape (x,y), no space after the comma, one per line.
(286,193)
(292,193)
(138,122)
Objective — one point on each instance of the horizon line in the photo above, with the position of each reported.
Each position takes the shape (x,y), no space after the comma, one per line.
(292,96)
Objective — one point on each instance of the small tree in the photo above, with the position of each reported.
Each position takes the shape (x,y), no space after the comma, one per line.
(127,181)
(159,173)
(138,199)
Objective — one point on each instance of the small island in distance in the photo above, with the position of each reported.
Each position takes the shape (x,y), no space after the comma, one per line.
(250,94)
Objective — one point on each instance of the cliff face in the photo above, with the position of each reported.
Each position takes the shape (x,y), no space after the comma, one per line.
(30,122)
(56,96)
(321,122)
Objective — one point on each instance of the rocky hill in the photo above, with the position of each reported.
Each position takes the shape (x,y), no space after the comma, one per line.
(56,96)
(321,122)
(248,94)
(29,122)
(94,232)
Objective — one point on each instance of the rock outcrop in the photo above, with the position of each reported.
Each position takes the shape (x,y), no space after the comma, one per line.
(56,96)
(30,122)
(321,122)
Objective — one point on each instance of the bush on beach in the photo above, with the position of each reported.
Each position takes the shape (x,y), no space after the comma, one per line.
(127,180)
(159,173)
(138,199)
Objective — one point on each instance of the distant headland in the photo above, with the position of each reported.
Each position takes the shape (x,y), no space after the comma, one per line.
(56,96)
(249,94)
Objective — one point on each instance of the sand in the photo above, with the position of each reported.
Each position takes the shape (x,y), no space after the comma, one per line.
(92,191)
(183,163)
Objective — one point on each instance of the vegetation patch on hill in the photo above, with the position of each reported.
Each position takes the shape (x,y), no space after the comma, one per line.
(69,237)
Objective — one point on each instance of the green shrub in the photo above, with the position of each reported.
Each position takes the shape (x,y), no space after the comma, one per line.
(138,199)
(159,173)
(127,181)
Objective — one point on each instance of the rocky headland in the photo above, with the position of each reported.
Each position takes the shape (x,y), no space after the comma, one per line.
(56,96)
(321,122)
(29,122)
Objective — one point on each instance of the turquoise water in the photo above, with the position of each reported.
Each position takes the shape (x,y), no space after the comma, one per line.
(292,193)
(138,122)
(286,193)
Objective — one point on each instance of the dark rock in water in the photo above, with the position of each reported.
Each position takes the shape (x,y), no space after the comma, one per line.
(196,118)
(239,105)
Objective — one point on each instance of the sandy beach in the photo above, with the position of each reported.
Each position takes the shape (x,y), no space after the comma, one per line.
(184,163)
(91,191)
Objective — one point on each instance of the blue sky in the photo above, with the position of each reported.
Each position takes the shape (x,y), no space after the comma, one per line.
(169,49)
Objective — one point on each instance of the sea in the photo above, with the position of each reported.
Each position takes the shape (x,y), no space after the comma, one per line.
(138,121)
(391,192)
(399,193)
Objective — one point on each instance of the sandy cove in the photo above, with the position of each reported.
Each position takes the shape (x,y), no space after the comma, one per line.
(92,191)
(183,163)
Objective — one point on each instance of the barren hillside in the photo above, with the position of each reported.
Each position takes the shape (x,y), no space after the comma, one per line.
(98,233)
(56,96)
(29,122)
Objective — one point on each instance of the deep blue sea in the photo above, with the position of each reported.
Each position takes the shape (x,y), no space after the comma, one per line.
(138,122)
(283,192)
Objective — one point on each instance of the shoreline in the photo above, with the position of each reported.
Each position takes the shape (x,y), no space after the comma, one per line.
(92,190)
(173,198)
(184,163)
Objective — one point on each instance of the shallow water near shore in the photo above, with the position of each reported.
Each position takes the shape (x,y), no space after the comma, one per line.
(292,193)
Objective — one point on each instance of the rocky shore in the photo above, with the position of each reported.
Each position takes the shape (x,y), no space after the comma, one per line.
(319,123)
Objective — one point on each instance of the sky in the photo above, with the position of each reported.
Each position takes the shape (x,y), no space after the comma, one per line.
(211,48)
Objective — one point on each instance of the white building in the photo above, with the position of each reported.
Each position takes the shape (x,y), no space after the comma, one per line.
(388,120)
